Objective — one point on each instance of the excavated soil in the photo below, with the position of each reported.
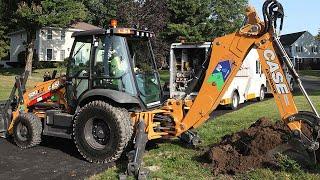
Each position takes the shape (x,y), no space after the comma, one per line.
(247,149)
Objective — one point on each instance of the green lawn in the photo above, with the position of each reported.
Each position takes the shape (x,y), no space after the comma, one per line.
(7,77)
(315,73)
(164,76)
(171,159)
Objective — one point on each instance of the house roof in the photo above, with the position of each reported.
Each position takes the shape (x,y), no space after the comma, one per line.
(83,26)
(77,25)
(289,39)
(99,31)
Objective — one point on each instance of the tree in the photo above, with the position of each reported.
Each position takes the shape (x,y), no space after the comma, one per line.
(100,11)
(318,36)
(4,42)
(201,20)
(190,19)
(32,15)
(227,16)
(150,14)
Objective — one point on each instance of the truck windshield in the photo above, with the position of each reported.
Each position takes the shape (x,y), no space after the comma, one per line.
(144,70)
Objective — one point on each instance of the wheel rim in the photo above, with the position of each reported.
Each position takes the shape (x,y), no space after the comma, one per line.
(261,94)
(235,101)
(97,133)
(22,132)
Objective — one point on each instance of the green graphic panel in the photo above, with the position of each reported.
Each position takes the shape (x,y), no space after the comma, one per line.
(218,79)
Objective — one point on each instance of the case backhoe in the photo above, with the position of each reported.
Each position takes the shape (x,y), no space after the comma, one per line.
(111,94)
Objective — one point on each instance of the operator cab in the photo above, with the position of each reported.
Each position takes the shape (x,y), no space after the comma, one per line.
(116,59)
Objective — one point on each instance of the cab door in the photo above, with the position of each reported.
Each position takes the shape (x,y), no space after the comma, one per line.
(79,68)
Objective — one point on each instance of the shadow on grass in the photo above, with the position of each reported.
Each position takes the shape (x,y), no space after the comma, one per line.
(11,71)
(310,93)
(19,71)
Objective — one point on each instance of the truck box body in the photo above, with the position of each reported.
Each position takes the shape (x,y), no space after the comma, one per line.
(186,61)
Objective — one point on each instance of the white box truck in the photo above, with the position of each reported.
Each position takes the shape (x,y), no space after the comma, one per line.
(186,60)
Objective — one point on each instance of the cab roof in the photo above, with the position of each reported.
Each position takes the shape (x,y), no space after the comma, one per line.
(115,31)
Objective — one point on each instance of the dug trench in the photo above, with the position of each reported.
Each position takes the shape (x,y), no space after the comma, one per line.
(259,146)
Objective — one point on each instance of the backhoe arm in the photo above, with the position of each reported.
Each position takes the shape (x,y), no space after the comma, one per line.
(227,56)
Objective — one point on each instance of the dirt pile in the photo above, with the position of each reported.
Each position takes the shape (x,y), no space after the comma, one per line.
(247,149)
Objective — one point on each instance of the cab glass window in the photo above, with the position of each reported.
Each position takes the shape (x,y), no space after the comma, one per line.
(111,67)
(80,59)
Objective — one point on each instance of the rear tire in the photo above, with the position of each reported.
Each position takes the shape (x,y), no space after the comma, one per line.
(235,101)
(101,131)
(27,130)
(262,94)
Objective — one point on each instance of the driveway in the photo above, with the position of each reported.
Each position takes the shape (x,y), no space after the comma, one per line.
(55,158)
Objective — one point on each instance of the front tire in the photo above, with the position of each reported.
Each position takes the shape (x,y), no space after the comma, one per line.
(101,132)
(27,130)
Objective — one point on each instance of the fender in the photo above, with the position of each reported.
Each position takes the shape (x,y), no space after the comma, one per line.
(119,97)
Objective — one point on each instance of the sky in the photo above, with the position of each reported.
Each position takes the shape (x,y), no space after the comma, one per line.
(300,15)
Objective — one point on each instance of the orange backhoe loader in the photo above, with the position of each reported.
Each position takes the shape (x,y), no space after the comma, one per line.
(111,94)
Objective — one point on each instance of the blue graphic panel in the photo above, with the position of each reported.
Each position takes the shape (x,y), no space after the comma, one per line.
(225,68)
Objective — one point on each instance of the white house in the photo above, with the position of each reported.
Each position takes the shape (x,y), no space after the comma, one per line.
(52,44)
(303,49)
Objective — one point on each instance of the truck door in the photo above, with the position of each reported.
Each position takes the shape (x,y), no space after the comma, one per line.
(259,79)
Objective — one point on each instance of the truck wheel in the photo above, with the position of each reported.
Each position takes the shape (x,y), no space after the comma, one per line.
(262,94)
(235,99)
(27,130)
(101,131)
(291,85)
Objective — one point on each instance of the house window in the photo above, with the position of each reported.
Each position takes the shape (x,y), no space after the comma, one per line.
(299,49)
(63,35)
(62,55)
(315,49)
(49,34)
(49,54)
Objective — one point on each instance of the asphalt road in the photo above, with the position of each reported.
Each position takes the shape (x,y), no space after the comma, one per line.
(57,158)
(310,84)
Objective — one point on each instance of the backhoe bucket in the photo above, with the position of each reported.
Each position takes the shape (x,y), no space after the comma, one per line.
(3,121)
(303,147)
(295,150)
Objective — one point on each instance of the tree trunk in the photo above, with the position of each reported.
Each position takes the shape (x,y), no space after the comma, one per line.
(30,47)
